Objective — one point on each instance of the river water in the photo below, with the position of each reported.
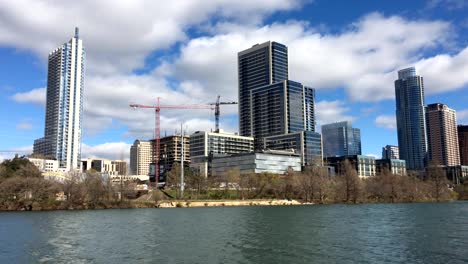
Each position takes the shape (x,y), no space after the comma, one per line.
(371,233)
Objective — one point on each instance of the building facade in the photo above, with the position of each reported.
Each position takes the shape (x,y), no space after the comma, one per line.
(394,166)
(463,144)
(64,105)
(141,156)
(365,166)
(171,151)
(307,144)
(281,108)
(411,122)
(341,139)
(442,135)
(205,145)
(390,152)
(260,65)
(45,165)
(103,166)
(276,162)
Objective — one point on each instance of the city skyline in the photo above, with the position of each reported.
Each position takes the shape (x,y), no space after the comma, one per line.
(352,82)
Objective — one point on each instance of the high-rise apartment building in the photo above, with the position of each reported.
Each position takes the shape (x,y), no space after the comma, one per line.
(260,65)
(281,108)
(463,144)
(341,139)
(411,122)
(141,156)
(390,152)
(64,105)
(442,136)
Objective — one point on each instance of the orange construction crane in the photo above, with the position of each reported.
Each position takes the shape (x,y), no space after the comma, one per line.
(157,108)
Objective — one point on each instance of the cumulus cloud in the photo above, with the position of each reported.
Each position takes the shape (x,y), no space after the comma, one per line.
(332,111)
(109,150)
(35,96)
(120,34)
(386,121)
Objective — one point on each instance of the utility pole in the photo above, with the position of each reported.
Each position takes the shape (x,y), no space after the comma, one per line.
(181,160)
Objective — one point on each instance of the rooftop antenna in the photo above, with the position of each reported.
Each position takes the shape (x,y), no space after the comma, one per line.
(77,32)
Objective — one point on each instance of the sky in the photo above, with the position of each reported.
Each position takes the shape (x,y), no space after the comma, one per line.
(185,52)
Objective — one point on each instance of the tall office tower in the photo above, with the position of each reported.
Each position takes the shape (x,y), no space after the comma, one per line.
(411,122)
(463,144)
(390,152)
(64,105)
(281,108)
(141,156)
(341,139)
(261,65)
(442,135)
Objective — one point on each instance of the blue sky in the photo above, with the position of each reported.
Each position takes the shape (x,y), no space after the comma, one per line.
(185,52)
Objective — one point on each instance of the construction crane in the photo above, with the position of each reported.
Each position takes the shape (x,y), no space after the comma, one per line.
(157,108)
(217,112)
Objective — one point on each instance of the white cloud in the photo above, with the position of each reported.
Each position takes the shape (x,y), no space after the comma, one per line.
(119,34)
(332,111)
(374,155)
(24,126)
(386,121)
(110,150)
(35,96)
(462,117)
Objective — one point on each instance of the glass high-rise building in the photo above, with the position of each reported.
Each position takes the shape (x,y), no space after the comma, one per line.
(281,108)
(64,105)
(442,136)
(411,122)
(341,139)
(262,64)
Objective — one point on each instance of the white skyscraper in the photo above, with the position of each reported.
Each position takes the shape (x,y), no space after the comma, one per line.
(64,106)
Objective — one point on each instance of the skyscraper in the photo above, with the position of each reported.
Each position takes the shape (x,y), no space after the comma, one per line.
(64,105)
(463,144)
(281,108)
(260,65)
(341,139)
(442,135)
(411,122)
(390,152)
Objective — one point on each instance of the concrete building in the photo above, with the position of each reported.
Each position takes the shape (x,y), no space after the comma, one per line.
(457,174)
(463,144)
(341,139)
(205,145)
(262,64)
(46,165)
(390,152)
(141,156)
(103,166)
(307,144)
(64,105)
(365,166)
(276,162)
(171,151)
(442,135)
(394,166)
(120,166)
(281,108)
(411,122)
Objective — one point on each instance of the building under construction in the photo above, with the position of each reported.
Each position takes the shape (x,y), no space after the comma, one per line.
(142,154)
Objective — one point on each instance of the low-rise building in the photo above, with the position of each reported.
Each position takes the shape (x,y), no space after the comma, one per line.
(307,144)
(394,166)
(365,166)
(45,165)
(103,166)
(207,145)
(276,162)
(457,174)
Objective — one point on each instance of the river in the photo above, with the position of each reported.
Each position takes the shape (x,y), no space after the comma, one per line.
(369,233)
